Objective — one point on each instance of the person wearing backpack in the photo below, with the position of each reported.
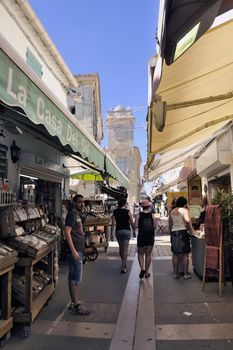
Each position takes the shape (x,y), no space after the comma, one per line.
(146,224)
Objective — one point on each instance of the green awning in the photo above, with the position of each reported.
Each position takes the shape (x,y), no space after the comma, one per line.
(18,90)
(116,172)
(87,175)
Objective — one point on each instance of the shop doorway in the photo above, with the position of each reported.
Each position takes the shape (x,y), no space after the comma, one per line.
(221,182)
(44,193)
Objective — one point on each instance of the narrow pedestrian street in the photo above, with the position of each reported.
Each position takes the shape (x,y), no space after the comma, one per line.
(155,313)
(116,175)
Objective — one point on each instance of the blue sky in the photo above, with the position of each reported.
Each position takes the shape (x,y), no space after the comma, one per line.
(114,38)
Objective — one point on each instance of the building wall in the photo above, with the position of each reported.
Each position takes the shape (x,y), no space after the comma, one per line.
(22,37)
(84,102)
(88,104)
(17,31)
(137,179)
(86,188)
(83,105)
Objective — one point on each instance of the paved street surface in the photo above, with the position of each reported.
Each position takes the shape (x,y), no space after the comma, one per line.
(155,313)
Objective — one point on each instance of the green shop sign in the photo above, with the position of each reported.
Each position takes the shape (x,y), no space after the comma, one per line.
(16,89)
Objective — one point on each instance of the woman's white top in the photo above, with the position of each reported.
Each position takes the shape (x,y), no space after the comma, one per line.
(178,221)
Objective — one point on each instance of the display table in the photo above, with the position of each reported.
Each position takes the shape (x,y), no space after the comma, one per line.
(198,253)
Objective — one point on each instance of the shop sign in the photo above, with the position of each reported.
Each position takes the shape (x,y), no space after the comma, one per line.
(33,62)
(16,89)
(194,189)
(40,161)
(172,195)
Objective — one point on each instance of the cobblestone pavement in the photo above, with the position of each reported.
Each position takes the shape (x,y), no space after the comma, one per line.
(161,248)
(113,250)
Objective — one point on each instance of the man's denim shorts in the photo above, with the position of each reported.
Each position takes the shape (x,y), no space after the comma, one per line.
(75,269)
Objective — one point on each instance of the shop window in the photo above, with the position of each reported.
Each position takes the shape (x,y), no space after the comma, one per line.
(72,109)
(41,192)
(219,183)
(3,161)
(121,163)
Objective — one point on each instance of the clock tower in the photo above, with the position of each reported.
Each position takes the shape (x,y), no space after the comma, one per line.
(120,125)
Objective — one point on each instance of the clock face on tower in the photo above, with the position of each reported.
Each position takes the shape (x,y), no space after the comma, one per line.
(121,133)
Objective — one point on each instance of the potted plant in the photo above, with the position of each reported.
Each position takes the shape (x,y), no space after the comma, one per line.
(225,201)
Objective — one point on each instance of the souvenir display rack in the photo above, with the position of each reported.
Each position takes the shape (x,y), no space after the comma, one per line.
(36,270)
(8,258)
(96,222)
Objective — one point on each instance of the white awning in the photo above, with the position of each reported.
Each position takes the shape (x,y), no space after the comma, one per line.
(171,160)
(204,71)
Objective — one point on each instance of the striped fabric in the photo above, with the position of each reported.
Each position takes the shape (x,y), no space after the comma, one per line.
(213,226)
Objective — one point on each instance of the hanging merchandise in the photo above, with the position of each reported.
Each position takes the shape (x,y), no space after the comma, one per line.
(42,192)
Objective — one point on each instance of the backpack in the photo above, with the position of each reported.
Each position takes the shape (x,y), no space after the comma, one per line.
(146,223)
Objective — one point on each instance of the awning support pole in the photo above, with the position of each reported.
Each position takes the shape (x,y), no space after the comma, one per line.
(80,160)
(199,101)
(198,129)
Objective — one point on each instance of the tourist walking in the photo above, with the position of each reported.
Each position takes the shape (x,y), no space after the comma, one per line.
(146,224)
(122,222)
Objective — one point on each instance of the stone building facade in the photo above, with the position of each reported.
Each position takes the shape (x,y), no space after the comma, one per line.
(120,124)
(84,103)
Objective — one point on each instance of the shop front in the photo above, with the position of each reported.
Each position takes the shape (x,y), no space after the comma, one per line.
(214,165)
(191,106)
(44,183)
(27,107)
(37,136)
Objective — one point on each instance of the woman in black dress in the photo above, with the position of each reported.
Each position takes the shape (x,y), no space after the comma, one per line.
(146,224)
(122,221)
